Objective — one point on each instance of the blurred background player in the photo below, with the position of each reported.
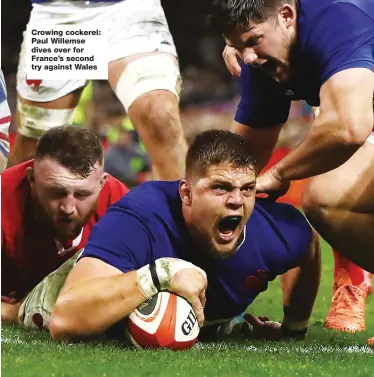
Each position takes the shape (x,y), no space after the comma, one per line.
(49,206)
(333,211)
(143,73)
(5,119)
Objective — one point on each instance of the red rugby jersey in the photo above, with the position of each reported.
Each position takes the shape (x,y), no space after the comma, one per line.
(28,252)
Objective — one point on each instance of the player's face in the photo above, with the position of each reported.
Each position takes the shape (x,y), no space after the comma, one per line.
(221,203)
(268,45)
(64,200)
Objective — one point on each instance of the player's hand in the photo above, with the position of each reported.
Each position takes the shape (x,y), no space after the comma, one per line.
(263,328)
(191,284)
(9,312)
(231,56)
(10,298)
(272,184)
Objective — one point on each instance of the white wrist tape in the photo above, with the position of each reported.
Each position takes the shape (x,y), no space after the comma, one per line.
(156,276)
(168,267)
(146,282)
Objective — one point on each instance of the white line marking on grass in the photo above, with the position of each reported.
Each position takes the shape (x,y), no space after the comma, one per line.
(16,340)
(287,349)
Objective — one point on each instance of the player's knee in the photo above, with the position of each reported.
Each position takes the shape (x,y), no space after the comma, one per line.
(36,120)
(313,202)
(156,116)
(159,72)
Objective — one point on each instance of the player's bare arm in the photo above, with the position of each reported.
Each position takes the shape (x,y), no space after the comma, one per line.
(300,287)
(96,295)
(261,140)
(231,56)
(344,123)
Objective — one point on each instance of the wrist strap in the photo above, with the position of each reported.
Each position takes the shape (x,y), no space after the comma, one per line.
(145,281)
(155,280)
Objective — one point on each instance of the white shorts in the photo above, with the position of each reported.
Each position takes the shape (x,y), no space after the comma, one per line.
(134,27)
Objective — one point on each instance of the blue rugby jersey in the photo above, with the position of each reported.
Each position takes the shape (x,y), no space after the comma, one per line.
(147,224)
(333,35)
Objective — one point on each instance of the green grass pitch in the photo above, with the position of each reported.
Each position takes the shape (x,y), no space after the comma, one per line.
(323,353)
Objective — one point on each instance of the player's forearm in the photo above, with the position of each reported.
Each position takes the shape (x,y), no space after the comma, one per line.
(91,307)
(327,146)
(300,288)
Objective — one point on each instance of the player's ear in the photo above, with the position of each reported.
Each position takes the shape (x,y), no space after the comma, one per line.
(287,13)
(185,192)
(30,175)
(103,179)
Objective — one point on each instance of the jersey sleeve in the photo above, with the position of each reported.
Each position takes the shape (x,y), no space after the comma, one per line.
(296,234)
(263,101)
(121,238)
(342,37)
(288,235)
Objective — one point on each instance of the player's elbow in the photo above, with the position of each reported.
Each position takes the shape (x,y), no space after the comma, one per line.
(353,137)
(353,133)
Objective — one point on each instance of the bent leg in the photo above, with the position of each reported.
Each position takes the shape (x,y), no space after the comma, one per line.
(35,310)
(340,205)
(148,87)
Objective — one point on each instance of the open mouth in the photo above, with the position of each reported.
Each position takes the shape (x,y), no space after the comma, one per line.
(227,227)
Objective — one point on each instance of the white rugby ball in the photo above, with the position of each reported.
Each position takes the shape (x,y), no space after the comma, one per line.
(164,321)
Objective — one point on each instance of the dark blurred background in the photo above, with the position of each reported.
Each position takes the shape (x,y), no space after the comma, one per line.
(209,93)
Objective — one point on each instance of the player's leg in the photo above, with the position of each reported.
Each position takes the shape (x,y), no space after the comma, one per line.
(346,275)
(35,310)
(340,204)
(34,118)
(351,287)
(43,104)
(155,110)
(144,74)
(344,314)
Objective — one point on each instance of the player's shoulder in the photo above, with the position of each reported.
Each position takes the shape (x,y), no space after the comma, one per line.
(115,187)
(15,196)
(112,191)
(320,14)
(282,217)
(14,179)
(282,234)
(153,197)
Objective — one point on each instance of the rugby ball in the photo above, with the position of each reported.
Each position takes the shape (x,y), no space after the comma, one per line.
(164,321)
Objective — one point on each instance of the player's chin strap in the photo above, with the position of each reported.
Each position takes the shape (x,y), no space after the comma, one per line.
(156,276)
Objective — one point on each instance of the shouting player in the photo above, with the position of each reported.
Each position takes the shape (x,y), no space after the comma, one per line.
(49,206)
(143,73)
(320,51)
(206,240)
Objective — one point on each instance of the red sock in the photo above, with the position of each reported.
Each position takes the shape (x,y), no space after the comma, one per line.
(356,273)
